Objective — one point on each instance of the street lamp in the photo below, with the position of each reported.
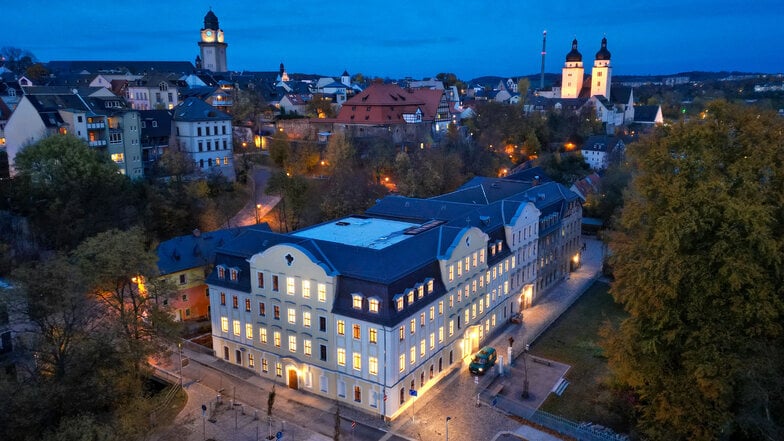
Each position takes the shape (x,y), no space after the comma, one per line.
(258,207)
(447,427)
(179,346)
(525,372)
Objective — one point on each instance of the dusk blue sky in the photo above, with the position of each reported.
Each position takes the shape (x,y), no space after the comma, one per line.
(412,38)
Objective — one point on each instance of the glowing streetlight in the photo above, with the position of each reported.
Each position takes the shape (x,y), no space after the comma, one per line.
(258,207)
(447,427)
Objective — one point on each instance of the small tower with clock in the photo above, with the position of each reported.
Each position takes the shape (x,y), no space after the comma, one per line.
(213,48)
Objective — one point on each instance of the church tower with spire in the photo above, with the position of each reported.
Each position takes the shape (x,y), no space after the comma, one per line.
(572,73)
(601,75)
(213,48)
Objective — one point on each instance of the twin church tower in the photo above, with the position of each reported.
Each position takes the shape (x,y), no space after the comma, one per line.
(573,73)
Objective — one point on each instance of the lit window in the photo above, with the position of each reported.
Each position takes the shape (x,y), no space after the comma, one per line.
(341,357)
(373,305)
(357,361)
(276,338)
(263,335)
(402,332)
(373,335)
(292,343)
(440,334)
(221,272)
(357,301)
(400,303)
(236,326)
(279,369)
(412,326)
(482,256)
(467,312)
(432,340)
(224,324)
(451,301)
(402,362)
(459,268)
(410,296)
(306,289)
(264,365)
(422,319)
(322,292)
(306,319)
(467,262)
(373,365)
(420,291)
(341,327)
(292,315)
(249,331)
(290,286)
(233,273)
(429,286)
(451,273)
(356,332)
(413,354)
(475,256)
(451,327)
(422,348)
(432,313)
(251,361)
(306,346)
(441,307)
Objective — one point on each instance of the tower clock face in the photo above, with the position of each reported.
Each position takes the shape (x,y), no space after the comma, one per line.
(209,33)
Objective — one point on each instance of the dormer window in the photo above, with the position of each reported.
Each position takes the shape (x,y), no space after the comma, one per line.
(420,291)
(398,302)
(221,272)
(356,301)
(373,305)
(410,295)
(234,274)
(429,286)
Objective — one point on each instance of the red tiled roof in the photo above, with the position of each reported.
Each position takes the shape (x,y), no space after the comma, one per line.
(383,104)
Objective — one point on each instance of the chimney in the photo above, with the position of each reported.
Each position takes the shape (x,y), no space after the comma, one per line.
(196,233)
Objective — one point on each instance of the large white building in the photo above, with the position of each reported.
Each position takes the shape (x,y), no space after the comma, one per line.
(204,133)
(366,308)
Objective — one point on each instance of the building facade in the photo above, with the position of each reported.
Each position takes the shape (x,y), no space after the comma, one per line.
(367,308)
(204,133)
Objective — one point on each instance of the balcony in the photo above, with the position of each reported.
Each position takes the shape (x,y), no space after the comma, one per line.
(96,126)
(98,143)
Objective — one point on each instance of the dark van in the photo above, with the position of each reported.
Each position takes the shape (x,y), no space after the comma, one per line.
(482,361)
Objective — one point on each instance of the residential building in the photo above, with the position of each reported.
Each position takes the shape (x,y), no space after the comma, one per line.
(366,308)
(153,91)
(185,261)
(204,133)
(156,133)
(600,150)
(94,115)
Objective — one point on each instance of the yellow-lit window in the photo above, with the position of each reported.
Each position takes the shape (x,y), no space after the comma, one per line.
(432,313)
(276,338)
(263,335)
(429,286)
(306,319)
(410,296)
(292,343)
(441,307)
(400,303)
(432,340)
(459,268)
(475,257)
(249,331)
(290,286)
(422,348)
(356,332)
(440,334)
(412,352)
(236,324)
(292,313)
(451,327)
(467,313)
(412,326)
(341,327)
(279,369)
(373,365)
(306,346)
(373,305)
(420,291)
(225,324)
(356,302)
(402,362)
(373,335)
(357,361)
(451,273)
(306,289)
(341,357)
(322,292)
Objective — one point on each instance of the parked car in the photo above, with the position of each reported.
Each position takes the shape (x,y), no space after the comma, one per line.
(516,318)
(483,360)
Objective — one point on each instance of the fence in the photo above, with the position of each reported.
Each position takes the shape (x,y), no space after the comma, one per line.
(584,431)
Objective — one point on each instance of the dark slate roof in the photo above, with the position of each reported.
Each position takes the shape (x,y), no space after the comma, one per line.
(481,190)
(620,94)
(201,93)
(132,67)
(601,143)
(646,114)
(417,210)
(163,118)
(195,250)
(194,109)
(529,174)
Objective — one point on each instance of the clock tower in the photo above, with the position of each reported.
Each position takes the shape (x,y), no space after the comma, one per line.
(213,48)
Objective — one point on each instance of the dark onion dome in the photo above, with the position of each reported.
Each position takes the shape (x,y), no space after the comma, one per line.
(574,55)
(603,53)
(211,21)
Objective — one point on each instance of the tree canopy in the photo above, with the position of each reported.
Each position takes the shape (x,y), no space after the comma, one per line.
(699,265)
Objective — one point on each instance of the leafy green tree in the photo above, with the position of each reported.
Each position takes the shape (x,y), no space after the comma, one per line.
(69,192)
(295,199)
(248,109)
(697,260)
(280,149)
(175,164)
(320,106)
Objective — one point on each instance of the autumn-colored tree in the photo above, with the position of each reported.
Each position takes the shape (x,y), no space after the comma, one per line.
(698,260)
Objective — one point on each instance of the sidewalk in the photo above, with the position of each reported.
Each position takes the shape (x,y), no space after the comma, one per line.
(306,417)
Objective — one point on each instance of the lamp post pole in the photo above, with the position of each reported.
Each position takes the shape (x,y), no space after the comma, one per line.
(179,346)
(525,371)
(447,427)
(258,207)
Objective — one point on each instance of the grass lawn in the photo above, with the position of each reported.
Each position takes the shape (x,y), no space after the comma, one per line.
(574,340)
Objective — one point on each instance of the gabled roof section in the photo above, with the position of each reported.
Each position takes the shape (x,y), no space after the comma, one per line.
(132,67)
(646,114)
(417,210)
(620,94)
(194,250)
(493,190)
(194,109)
(380,104)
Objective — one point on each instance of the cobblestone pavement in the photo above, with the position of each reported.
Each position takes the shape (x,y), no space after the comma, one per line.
(240,412)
